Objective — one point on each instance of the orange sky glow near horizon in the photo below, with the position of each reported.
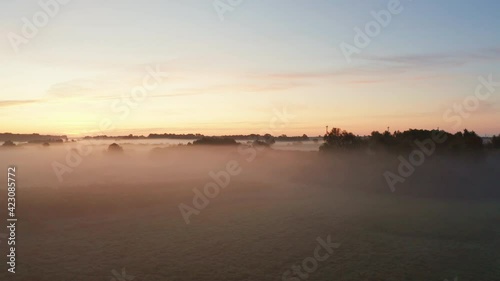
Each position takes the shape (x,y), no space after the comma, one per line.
(170,67)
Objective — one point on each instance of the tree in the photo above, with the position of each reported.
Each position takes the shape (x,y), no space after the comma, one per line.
(115,148)
(8,144)
(215,141)
(472,140)
(495,141)
(385,140)
(340,139)
(269,139)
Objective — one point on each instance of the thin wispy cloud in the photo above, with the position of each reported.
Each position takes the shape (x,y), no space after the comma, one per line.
(437,59)
(74,88)
(10,103)
(382,68)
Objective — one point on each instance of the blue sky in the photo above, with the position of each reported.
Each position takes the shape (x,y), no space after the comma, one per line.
(230,76)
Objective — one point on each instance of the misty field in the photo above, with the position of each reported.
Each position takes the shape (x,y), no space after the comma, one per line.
(120,213)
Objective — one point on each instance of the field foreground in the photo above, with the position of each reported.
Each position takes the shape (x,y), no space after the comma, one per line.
(266,220)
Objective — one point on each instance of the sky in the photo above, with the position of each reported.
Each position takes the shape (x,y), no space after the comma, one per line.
(238,67)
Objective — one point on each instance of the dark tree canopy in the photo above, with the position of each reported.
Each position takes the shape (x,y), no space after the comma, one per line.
(8,144)
(115,148)
(338,139)
(495,141)
(215,141)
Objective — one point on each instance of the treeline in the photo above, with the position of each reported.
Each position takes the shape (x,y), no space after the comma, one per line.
(33,138)
(215,141)
(252,137)
(267,137)
(175,136)
(338,139)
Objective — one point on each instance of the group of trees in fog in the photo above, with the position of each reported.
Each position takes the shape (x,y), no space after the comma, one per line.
(265,140)
(8,144)
(338,139)
(215,141)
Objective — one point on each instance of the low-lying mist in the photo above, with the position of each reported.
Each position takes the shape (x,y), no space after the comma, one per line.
(239,212)
(76,165)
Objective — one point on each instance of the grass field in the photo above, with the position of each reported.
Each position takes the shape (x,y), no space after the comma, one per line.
(255,229)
